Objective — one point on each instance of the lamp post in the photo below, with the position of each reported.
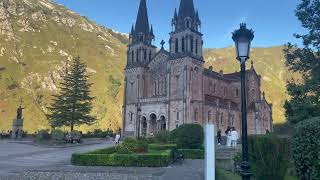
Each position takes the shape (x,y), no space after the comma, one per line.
(242,38)
(139,111)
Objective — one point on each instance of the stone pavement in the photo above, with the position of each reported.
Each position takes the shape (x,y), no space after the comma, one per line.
(16,158)
(22,161)
(189,170)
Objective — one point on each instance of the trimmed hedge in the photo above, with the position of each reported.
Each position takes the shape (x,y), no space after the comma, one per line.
(104,151)
(192,153)
(188,136)
(161,146)
(306,149)
(154,159)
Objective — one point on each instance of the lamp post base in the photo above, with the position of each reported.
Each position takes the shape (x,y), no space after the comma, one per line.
(245,173)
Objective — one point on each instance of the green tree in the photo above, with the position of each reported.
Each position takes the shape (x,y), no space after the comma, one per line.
(72,106)
(305,92)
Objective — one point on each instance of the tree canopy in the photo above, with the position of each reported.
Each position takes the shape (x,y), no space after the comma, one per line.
(72,106)
(305,92)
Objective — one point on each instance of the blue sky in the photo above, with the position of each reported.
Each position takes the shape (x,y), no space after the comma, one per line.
(273,21)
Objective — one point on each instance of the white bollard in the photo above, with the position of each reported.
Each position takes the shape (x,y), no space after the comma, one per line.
(210,158)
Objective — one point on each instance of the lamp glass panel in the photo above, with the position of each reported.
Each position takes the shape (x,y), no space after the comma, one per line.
(243,47)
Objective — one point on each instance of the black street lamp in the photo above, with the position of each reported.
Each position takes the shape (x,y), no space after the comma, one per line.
(139,111)
(242,38)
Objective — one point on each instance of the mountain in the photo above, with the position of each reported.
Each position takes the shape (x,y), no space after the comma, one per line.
(39,38)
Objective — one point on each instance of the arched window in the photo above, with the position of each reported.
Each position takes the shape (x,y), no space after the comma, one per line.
(150,56)
(232,120)
(191,43)
(214,88)
(177,45)
(154,88)
(132,56)
(237,92)
(137,55)
(188,24)
(131,117)
(209,116)
(178,115)
(144,54)
(141,37)
(197,46)
(196,115)
(182,44)
(225,92)
(221,118)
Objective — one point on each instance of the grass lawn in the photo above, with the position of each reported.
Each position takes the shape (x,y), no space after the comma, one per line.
(226,175)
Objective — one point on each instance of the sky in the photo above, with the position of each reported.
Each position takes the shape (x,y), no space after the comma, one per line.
(273,21)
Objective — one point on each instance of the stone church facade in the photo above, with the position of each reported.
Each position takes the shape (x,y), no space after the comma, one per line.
(165,89)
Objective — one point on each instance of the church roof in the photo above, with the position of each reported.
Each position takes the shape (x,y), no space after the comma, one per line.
(142,23)
(186,9)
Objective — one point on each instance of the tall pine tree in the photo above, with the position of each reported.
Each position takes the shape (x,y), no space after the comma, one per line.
(73,104)
(305,93)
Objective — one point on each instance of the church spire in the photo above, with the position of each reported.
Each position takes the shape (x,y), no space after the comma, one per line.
(142,23)
(187,17)
(186,9)
(141,31)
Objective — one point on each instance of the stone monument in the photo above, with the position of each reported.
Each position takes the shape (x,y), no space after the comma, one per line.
(17,125)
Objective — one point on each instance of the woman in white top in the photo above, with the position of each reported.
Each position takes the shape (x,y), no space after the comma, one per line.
(234,138)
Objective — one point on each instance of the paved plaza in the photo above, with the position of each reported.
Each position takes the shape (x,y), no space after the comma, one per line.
(23,161)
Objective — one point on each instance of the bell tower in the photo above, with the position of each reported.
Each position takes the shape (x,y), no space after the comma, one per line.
(186,38)
(140,49)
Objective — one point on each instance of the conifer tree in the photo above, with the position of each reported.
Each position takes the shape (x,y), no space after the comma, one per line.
(72,106)
(305,93)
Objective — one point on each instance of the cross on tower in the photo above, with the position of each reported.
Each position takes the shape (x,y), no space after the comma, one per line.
(162,43)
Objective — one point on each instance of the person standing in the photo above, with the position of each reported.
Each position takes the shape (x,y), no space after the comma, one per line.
(219,137)
(229,138)
(234,138)
(16,134)
(117,139)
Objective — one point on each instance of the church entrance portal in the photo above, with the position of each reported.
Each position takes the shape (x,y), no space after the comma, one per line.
(162,124)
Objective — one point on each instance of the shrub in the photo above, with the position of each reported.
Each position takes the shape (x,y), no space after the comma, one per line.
(268,156)
(306,149)
(132,146)
(188,136)
(192,153)
(43,134)
(155,159)
(57,135)
(161,146)
(162,137)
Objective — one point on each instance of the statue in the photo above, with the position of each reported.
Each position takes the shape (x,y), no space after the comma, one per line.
(17,125)
(19,110)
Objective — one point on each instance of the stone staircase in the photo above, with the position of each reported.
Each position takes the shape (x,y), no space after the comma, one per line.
(225,155)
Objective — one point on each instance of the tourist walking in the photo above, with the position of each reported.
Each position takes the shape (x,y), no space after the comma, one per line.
(219,137)
(234,138)
(117,139)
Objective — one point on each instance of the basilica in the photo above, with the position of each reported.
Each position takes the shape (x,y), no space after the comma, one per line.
(167,88)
